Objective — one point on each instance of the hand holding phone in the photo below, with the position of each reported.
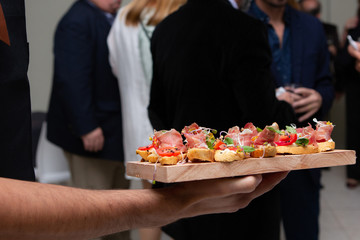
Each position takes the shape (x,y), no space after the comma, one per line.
(352,43)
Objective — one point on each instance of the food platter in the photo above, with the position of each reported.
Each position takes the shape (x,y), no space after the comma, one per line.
(209,170)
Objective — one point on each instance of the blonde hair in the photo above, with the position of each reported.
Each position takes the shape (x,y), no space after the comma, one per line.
(162,8)
(294,4)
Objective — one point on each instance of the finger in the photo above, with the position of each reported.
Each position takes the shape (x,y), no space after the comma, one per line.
(305,108)
(98,145)
(270,180)
(296,97)
(302,102)
(223,187)
(304,92)
(307,115)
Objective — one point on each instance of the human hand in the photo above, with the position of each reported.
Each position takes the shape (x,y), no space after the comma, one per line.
(286,96)
(222,195)
(94,140)
(353,52)
(332,50)
(308,102)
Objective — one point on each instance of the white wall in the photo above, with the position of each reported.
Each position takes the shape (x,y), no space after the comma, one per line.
(42,17)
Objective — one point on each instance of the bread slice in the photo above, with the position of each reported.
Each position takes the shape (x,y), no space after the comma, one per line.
(326,146)
(297,149)
(265,151)
(200,154)
(228,155)
(172,160)
(145,153)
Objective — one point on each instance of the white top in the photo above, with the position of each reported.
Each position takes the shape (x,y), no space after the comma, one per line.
(126,63)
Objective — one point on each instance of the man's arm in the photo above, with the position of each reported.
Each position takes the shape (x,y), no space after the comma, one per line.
(42,211)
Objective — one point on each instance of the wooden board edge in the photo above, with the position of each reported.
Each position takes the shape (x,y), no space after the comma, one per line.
(170,174)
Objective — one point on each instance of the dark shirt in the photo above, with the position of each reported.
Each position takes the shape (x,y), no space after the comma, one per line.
(15,109)
(281,54)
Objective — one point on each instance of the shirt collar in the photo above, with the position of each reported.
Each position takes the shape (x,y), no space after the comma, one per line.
(259,14)
(234,4)
(110,17)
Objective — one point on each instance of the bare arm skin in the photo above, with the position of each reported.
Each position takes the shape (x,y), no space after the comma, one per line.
(43,211)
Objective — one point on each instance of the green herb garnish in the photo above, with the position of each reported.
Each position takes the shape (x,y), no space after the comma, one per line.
(302,142)
(248,149)
(290,129)
(273,130)
(259,129)
(210,143)
(228,141)
(214,131)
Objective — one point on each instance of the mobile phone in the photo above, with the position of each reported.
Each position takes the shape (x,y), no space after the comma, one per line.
(352,43)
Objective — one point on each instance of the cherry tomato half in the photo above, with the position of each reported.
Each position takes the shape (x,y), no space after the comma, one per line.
(220,145)
(233,148)
(146,147)
(286,139)
(168,151)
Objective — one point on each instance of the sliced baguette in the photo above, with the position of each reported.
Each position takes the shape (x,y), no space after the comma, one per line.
(326,146)
(264,151)
(145,153)
(200,154)
(297,150)
(172,160)
(228,155)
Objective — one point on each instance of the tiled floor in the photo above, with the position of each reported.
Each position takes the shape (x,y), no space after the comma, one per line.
(340,208)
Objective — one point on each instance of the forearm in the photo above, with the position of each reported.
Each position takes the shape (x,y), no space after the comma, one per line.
(40,211)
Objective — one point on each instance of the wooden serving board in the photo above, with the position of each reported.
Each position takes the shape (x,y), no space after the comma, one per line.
(207,170)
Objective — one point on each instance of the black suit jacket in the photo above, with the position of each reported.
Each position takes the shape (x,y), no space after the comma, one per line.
(85,93)
(15,109)
(212,66)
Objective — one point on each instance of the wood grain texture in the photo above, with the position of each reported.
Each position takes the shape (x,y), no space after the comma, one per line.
(206,170)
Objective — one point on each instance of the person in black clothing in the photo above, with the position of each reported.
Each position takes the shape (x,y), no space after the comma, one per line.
(212,67)
(313,7)
(348,82)
(15,120)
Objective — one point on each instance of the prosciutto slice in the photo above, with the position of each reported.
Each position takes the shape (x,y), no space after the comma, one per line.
(234,134)
(249,131)
(195,136)
(309,133)
(196,140)
(170,138)
(323,131)
(267,136)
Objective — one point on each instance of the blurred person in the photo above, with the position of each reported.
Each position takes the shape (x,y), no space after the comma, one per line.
(351,23)
(84,116)
(131,62)
(300,57)
(206,70)
(15,108)
(348,81)
(313,7)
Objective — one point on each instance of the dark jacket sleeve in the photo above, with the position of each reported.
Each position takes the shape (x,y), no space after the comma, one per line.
(73,65)
(323,82)
(250,80)
(156,114)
